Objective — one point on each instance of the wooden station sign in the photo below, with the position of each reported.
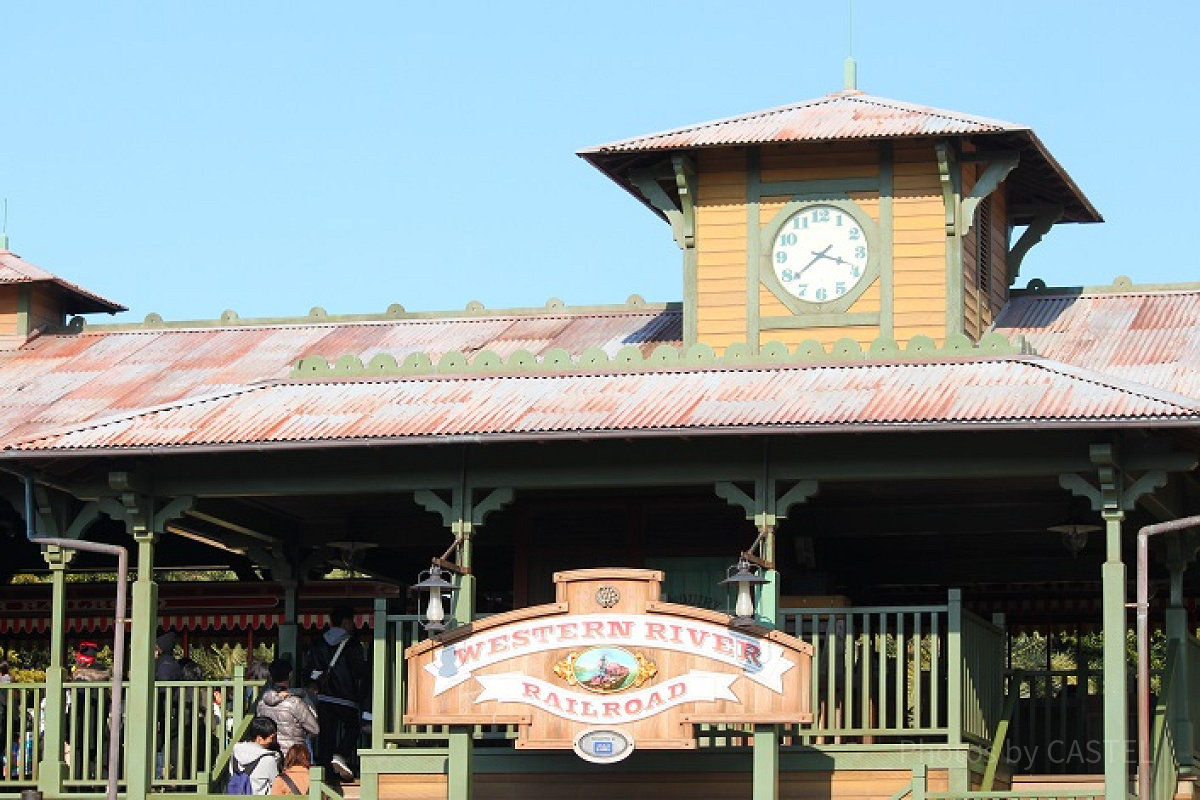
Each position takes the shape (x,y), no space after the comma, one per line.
(606,666)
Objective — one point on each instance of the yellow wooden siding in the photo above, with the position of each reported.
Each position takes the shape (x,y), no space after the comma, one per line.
(8,310)
(918,246)
(721,247)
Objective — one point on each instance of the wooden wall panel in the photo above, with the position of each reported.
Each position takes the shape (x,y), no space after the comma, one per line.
(45,308)
(721,247)
(678,785)
(8,310)
(919,245)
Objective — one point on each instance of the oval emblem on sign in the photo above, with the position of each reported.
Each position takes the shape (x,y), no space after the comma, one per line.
(603,746)
(606,669)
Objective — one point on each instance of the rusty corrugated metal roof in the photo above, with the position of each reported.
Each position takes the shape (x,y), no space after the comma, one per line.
(994,392)
(849,116)
(841,115)
(1151,337)
(14,269)
(63,379)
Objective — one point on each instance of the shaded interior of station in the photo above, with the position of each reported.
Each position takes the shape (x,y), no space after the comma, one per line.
(861,544)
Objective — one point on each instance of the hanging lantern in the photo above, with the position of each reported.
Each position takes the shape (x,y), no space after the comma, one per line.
(746,579)
(431,581)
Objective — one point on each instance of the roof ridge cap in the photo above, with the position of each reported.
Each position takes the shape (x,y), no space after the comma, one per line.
(1142,390)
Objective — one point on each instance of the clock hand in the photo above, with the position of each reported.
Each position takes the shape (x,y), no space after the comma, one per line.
(816,257)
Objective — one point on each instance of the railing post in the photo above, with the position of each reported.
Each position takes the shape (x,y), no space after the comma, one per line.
(140,715)
(920,783)
(766,762)
(460,779)
(382,699)
(956,668)
(53,768)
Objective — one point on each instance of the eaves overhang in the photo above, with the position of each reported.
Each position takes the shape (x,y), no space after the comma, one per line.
(1001,393)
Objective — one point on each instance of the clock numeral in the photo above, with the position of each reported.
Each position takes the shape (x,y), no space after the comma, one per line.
(820,215)
(856,272)
(821,293)
(787,275)
(839,220)
(803,290)
(800,223)
(854,234)
(860,252)
(788,239)
(780,257)
(840,289)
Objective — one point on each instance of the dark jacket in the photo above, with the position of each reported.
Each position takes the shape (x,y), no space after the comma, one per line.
(347,682)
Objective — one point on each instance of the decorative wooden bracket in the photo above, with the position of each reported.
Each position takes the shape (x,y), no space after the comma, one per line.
(1044,217)
(1113,496)
(951,181)
(765,509)
(461,516)
(648,184)
(999,165)
(685,182)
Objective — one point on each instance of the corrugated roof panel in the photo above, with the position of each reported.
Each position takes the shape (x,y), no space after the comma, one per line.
(58,380)
(1148,337)
(864,395)
(841,115)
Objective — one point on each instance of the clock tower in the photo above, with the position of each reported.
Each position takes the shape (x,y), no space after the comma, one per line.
(847,216)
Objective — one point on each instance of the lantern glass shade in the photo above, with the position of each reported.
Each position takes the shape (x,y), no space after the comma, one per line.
(744,607)
(431,581)
(743,576)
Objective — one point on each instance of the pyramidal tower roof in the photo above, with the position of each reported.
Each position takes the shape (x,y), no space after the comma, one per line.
(850,115)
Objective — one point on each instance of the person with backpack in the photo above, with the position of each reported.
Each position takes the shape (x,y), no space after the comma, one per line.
(254,764)
(338,667)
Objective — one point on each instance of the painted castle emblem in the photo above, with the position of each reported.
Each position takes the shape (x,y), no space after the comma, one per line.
(605,669)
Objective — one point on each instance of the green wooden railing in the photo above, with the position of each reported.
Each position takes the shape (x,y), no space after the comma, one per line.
(195,724)
(1164,760)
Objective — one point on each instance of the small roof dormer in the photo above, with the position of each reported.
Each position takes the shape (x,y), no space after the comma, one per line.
(32,300)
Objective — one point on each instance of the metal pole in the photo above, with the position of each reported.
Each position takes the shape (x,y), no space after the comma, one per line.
(114,737)
(1143,642)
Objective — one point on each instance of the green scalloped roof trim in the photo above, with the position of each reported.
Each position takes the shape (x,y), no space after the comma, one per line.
(395,311)
(665,356)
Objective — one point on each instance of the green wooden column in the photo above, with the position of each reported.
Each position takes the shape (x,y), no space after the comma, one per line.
(288,645)
(766,762)
(53,769)
(463,515)
(460,778)
(140,697)
(1116,680)
(1113,494)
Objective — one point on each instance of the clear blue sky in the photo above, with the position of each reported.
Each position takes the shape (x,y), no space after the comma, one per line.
(188,157)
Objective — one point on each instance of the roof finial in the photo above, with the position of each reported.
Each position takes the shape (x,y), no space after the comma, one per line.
(4,228)
(849,67)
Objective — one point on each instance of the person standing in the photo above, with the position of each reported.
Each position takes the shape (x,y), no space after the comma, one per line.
(337,665)
(293,716)
(87,762)
(257,755)
(294,778)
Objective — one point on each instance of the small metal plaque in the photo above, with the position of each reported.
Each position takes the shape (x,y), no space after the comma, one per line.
(601,746)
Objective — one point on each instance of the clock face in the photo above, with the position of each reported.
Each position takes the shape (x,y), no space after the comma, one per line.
(820,253)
